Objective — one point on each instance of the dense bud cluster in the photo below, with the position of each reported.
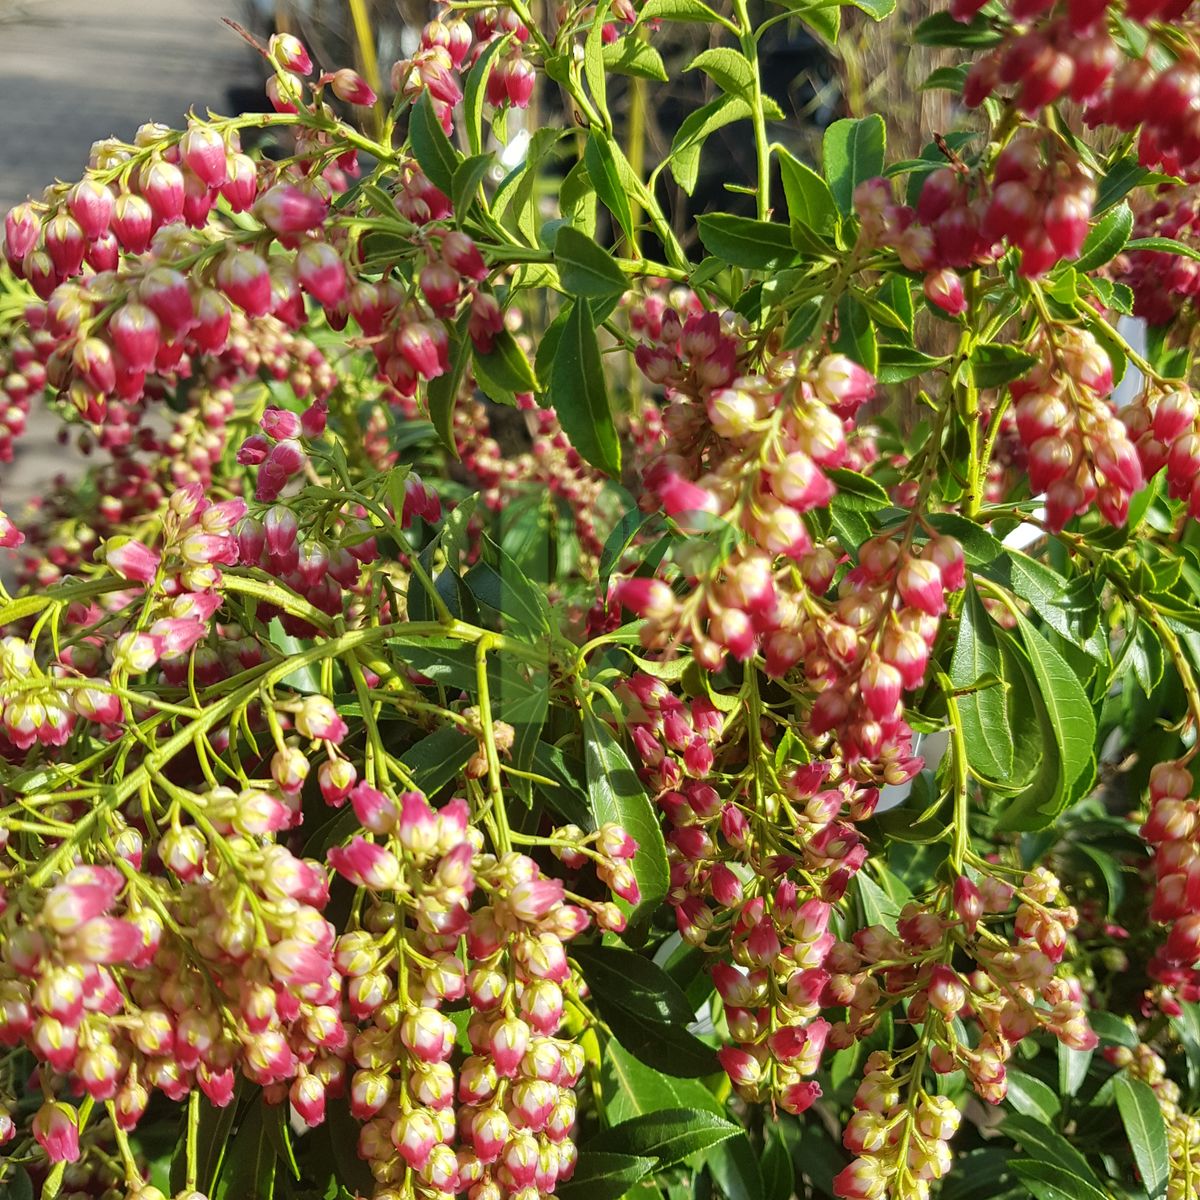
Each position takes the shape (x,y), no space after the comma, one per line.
(1036,197)
(1076,450)
(500,1124)
(1171,829)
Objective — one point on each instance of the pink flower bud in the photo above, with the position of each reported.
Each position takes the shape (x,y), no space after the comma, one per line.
(365,864)
(56,1131)
(350,86)
(288,209)
(919,583)
(322,273)
(133,561)
(91,204)
(161,183)
(241,184)
(290,53)
(21,229)
(944,288)
(203,152)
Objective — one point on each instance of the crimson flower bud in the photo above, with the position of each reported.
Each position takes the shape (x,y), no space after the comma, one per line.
(132,560)
(350,86)
(944,288)
(57,1132)
(203,152)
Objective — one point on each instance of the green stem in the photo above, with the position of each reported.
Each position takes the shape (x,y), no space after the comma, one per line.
(749,43)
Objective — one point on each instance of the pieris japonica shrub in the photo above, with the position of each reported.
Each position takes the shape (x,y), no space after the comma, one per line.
(523,697)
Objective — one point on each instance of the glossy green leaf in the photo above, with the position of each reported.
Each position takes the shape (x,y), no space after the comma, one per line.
(593,60)
(248,1172)
(646,1010)
(729,69)
(984,714)
(579,392)
(604,1175)
(1043,1142)
(504,369)
(1072,727)
(684,159)
(632,56)
(430,145)
(677,10)
(475,90)
(468,175)
(1032,1097)
(1072,1068)
(670,1135)
(779,1175)
(1146,1130)
(993,365)
(856,333)
(942,29)
(858,492)
(1046,1181)
(809,200)
(735,1169)
(602,168)
(1165,245)
(438,758)
(632,1088)
(1106,239)
(584,268)
(853,152)
(616,794)
(898,363)
(978,545)
(442,393)
(745,242)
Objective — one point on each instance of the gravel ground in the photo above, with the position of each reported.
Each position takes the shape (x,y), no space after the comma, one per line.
(74,71)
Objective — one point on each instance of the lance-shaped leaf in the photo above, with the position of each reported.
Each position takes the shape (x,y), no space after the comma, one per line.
(579,392)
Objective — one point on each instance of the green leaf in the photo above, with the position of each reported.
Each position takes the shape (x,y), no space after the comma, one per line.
(1146,1130)
(500,584)
(248,1172)
(579,392)
(984,715)
(1111,1028)
(978,545)
(1072,1069)
(646,1010)
(504,369)
(631,1088)
(993,365)
(779,1175)
(947,79)
(593,61)
(430,145)
(734,1167)
(630,55)
(442,393)
(858,492)
(745,242)
(1106,239)
(439,758)
(468,175)
(1072,729)
(584,268)
(1121,177)
(1166,245)
(1046,1181)
(474,91)
(670,1135)
(853,151)
(877,10)
(942,29)
(728,69)
(856,333)
(1032,1097)
(809,200)
(677,10)
(1044,1143)
(898,363)
(616,794)
(603,1175)
(606,178)
(689,139)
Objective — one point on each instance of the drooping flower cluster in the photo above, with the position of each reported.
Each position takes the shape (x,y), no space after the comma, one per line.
(447,922)
(1036,197)
(1078,452)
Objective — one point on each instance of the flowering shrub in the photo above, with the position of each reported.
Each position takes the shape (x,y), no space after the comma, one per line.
(523,702)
